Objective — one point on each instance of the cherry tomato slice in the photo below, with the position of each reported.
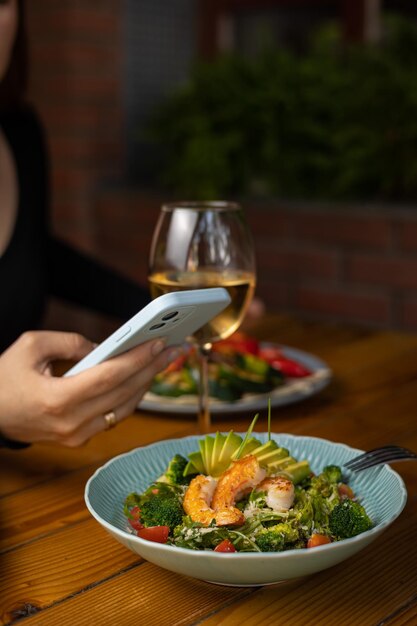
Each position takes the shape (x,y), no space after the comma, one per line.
(269,353)
(134,518)
(238,342)
(290,368)
(345,491)
(159,534)
(176,365)
(286,366)
(136,524)
(225,546)
(318,540)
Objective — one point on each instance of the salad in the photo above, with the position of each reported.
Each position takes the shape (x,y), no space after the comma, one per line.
(237,365)
(236,494)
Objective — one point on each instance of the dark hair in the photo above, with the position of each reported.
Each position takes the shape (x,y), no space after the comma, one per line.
(13,86)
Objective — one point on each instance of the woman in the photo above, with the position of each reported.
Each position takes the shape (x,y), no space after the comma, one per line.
(34,405)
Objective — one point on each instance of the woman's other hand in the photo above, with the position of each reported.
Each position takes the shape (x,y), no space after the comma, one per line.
(36,406)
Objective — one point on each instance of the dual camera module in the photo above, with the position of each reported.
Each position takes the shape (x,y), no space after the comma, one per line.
(168,317)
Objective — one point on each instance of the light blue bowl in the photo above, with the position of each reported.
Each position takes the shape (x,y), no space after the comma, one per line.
(380,489)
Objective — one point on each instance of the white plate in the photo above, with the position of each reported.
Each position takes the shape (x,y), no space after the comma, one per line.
(293,390)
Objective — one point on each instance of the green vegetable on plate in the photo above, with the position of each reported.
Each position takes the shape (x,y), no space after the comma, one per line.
(237,366)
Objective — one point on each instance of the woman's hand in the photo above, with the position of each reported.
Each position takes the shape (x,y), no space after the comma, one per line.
(36,406)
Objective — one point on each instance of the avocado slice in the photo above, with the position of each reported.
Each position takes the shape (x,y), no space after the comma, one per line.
(202,446)
(265,448)
(277,466)
(219,440)
(231,444)
(297,471)
(251,445)
(215,454)
(271,458)
(196,461)
(207,446)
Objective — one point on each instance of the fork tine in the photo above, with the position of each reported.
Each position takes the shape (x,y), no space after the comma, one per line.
(378,456)
(389,454)
(373,463)
(379,461)
(390,447)
(381,458)
(381,451)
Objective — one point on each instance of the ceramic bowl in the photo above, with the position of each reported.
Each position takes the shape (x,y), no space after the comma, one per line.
(380,489)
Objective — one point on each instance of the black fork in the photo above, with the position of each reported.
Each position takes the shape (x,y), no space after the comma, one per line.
(378,456)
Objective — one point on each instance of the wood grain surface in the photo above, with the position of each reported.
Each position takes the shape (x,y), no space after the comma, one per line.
(59,567)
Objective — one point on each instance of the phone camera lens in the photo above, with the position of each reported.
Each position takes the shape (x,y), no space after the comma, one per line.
(156,326)
(169,316)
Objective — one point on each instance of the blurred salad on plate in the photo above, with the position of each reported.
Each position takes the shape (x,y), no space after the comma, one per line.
(241,371)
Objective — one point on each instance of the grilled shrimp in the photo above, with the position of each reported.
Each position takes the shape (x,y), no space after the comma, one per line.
(197,500)
(237,481)
(279,492)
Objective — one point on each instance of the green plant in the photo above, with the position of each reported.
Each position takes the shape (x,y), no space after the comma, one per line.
(339,122)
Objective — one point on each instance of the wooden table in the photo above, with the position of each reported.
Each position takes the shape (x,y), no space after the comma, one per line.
(59,567)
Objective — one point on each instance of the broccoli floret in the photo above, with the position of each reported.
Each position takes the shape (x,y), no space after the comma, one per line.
(348,519)
(312,509)
(275,538)
(270,541)
(332,473)
(321,485)
(303,509)
(161,510)
(174,473)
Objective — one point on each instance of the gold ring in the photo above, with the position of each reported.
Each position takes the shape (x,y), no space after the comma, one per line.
(110,419)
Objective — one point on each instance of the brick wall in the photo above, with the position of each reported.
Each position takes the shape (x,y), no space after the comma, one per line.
(76,57)
(75,83)
(352,264)
(356,264)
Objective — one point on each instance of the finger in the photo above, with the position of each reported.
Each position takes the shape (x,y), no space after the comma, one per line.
(107,376)
(79,411)
(142,379)
(85,432)
(99,424)
(46,346)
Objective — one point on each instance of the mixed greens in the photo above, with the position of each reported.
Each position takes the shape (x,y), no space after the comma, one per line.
(324,508)
(237,366)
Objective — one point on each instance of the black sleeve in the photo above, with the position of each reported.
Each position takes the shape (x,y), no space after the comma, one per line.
(78,278)
(12,444)
(71,274)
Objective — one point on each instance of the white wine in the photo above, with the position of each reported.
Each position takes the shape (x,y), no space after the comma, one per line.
(240,285)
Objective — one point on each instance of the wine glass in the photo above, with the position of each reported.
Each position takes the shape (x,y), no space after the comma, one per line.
(205,244)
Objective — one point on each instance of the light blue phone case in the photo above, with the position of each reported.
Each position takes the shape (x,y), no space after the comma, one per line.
(174,315)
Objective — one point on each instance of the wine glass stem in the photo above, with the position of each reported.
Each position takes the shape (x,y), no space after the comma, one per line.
(204,422)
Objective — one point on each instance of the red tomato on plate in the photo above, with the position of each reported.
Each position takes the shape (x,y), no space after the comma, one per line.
(134,519)
(286,366)
(225,546)
(159,534)
(176,365)
(238,342)
(318,540)
(345,491)
(270,353)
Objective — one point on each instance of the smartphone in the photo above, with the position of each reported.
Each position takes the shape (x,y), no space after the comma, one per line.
(175,315)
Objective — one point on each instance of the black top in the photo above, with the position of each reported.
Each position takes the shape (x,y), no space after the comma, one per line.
(35,264)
